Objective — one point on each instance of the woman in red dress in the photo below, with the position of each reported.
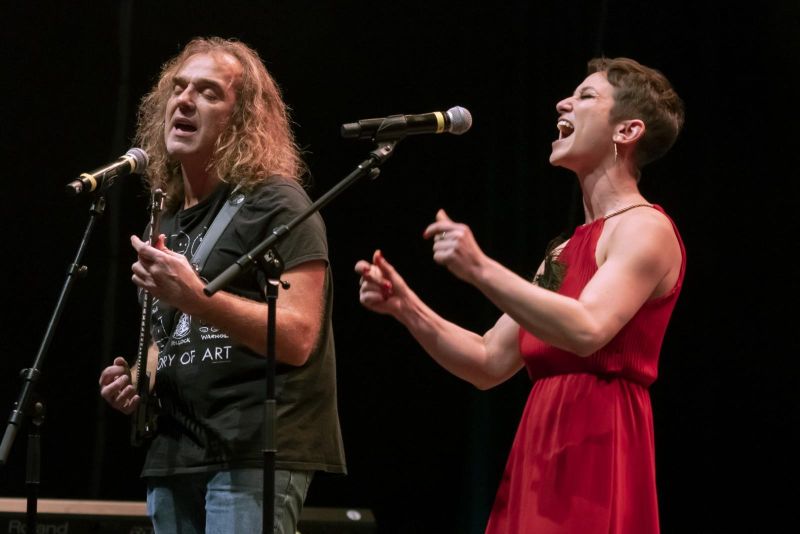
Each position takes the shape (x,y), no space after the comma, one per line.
(588,329)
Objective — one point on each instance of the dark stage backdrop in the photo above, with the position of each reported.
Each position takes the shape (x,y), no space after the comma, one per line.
(425,451)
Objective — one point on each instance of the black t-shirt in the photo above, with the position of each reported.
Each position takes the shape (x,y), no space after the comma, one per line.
(212,390)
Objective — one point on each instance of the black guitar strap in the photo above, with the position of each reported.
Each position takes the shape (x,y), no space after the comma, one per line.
(220,223)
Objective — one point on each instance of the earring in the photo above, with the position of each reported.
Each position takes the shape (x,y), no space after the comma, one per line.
(616,154)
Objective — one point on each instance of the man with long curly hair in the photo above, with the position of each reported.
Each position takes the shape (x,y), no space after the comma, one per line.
(216,129)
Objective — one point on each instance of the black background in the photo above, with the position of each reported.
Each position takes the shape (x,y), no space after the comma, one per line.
(425,451)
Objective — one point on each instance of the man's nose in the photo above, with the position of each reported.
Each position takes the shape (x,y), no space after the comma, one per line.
(185,98)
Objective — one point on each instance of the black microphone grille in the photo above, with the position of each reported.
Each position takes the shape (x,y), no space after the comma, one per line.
(140,160)
(460,120)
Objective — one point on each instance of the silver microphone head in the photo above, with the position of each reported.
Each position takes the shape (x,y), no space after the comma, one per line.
(460,120)
(140,160)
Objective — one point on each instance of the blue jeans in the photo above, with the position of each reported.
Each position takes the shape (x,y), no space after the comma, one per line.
(224,502)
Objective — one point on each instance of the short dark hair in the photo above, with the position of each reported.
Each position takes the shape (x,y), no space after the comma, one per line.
(643,93)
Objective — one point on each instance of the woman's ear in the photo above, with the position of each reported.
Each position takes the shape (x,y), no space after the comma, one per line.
(629,131)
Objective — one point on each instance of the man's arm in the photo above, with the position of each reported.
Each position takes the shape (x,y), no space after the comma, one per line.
(169,277)
(298,316)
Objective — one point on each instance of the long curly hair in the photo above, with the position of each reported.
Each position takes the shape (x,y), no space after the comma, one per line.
(644,93)
(257,143)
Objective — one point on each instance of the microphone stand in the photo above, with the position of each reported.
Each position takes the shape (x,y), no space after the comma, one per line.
(266,258)
(22,408)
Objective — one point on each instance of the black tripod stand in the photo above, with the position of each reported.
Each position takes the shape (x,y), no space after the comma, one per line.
(27,406)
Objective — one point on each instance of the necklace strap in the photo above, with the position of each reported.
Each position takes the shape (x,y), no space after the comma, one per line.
(626,208)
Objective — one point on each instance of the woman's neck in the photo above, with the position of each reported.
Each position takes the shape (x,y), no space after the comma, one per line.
(607,191)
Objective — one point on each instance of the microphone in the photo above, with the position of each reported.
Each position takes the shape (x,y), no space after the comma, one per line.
(133,162)
(456,120)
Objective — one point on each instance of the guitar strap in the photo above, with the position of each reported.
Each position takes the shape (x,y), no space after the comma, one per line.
(220,223)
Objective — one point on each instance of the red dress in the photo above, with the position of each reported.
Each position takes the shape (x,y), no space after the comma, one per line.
(583,459)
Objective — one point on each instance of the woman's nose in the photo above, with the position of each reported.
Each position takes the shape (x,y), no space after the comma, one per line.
(564,105)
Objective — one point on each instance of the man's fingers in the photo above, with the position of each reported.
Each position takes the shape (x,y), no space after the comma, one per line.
(161,242)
